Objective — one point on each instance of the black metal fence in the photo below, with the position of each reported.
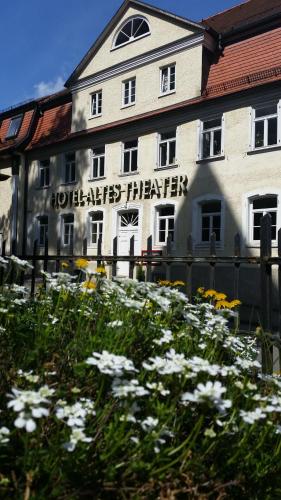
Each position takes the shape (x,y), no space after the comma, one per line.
(265,262)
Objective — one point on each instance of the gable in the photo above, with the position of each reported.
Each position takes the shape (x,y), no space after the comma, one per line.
(164,29)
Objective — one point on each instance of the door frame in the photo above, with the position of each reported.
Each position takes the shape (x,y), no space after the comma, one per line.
(115,215)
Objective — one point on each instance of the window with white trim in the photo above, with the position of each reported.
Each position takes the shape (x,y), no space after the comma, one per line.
(168,79)
(259,206)
(67,229)
(42,230)
(95,227)
(70,168)
(129,92)
(167,149)
(44,173)
(98,162)
(96,103)
(165,224)
(137,27)
(14,126)
(265,129)
(210,220)
(130,157)
(211,138)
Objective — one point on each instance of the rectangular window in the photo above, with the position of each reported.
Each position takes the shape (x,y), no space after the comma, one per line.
(98,162)
(43,230)
(211,138)
(167,149)
(259,207)
(96,103)
(168,79)
(68,229)
(265,127)
(96,227)
(165,224)
(210,220)
(44,173)
(14,126)
(130,157)
(129,92)
(70,168)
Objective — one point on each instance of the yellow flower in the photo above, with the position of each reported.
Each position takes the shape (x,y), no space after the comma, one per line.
(89,285)
(81,263)
(201,290)
(64,265)
(220,296)
(222,304)
(164,282)
(234,303)
(101,270)
(178,283)
(210,293)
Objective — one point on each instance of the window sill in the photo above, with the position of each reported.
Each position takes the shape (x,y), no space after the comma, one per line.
(167,167)
(210,159)
(92,117)
(257,245)
(263,150)
(71,183)
(125,106)
(166,93)
(95,179)
(129,173)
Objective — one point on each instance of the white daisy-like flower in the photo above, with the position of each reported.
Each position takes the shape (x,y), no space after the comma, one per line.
(111,364)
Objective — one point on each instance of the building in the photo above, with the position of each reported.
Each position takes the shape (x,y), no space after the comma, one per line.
(167,127)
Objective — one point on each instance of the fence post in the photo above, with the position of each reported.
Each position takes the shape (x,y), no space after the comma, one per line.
(279,294)
(189,267)
(168,253)
(84,247)
(58,254)
(212,264)
(33,273)
(149,254)
(132,253)
(3,253)
(266,292)
(237,253)
(46,254)
(114,262)
(99,251)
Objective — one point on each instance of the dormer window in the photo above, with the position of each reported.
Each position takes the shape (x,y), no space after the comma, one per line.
(135,28)
(14,127)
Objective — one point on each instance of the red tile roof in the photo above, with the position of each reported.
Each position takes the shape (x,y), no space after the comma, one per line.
(23,131)
(244,14)
(54,125)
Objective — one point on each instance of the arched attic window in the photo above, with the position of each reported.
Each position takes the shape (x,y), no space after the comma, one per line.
(135,28)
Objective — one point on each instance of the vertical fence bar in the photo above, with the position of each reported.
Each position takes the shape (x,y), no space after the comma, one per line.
(266,292)
(45,260)
(84,247)
(237,253)
(3,253)
(33,273)
(149,254)
(132,253)
(114,262)
(99,251)
(212,264)
(12,266)
(189,267)
(58,254)
(168,253)
(279,294)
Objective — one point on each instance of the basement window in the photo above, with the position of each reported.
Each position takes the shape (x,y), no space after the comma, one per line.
(14,126)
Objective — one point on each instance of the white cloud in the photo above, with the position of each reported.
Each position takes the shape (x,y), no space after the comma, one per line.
(45,88)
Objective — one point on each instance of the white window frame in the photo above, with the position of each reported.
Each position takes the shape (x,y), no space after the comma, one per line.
(132,39)
(68,168)
(202,132)
(98,157)
(44,168)
(130,151)
(46,229)
(197,220)
(63,225)
(168,141)
(254,120)
(169,89)
(131,96)
(99,230)
(98,94)
(157,208)
(9,134)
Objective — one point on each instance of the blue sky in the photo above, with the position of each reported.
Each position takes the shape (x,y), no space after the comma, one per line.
(42,42)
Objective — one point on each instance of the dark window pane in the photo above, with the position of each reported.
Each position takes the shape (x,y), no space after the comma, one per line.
(69,218)
(272,131)
(273,232)
(140,27)
(168,135)
(205,222)
(212,124)
(217,232)
(265,202)
(162,235)
(95,167)
(217,142)
(216,222)
(206,145)
(257,218)
(205,235)
(127,29)
(162,224)
(134,165)
(171,224)
(167,211)
(211,207)
(163,154)
(273,218)
(269,110)
(172,153)
(259,134)
(256,235)
(14,126)
(99,151)
(131,144)
(102,166)
(126,162)
(97,216)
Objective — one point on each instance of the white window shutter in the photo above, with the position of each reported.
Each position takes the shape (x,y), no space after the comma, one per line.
(279,122)
(222,134)
(199,141)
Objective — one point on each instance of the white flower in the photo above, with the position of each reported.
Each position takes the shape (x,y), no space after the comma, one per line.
(28,376)
(172,363)
(110,363)
(29,405)
(250,417)
(247,364)
(149,424)
(115,324)
(158,388)
(23,264)
(4,435)
(212,392)
(167,337)
(125,388)
(135,439)
(77,435)
(76,414)
(3,262)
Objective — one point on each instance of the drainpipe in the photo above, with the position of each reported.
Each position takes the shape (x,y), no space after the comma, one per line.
(15,189)
(25,201)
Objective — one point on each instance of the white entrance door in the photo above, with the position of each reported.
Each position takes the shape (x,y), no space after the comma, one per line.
(128,226)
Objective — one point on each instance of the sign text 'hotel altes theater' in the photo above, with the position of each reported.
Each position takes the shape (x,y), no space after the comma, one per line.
(135,190)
